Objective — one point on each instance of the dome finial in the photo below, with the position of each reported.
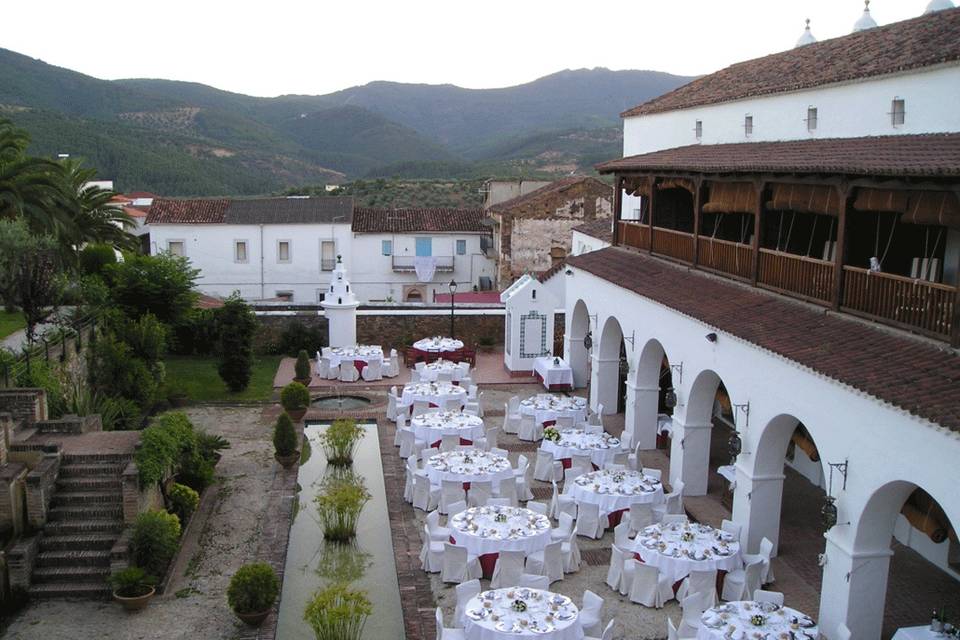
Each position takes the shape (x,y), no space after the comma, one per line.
(866,20)
(807,37)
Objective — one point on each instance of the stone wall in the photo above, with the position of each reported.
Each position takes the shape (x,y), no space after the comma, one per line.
(41,482)
(25,405)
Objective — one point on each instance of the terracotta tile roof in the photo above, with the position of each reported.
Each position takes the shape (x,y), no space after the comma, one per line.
(929,155)
(555,187)
(601,229)
(323,210)
(192,211)
(134,212)
(921,42)
(543,276)
(370,220)
(907,372)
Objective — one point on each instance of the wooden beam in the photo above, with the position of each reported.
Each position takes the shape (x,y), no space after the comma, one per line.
(652,207)
(617,207)
(846,194)
(760,186)
(697,205)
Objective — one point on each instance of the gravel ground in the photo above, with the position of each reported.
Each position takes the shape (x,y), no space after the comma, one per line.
(195,605)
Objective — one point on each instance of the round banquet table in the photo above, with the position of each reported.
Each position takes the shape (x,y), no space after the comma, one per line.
(469,465)
(707,549)
(602,447)
(615,491)
(490,615)
(431,370)
(438,345)
(546,408)
(436,393)
(478,530)
(431,427)
(360,355)
(734,620)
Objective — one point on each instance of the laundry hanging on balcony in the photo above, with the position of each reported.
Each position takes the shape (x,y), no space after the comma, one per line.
(426,267)
(805,198)
(933,208)
(731,197)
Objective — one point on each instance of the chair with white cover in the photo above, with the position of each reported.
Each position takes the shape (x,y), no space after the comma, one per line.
(456,507)
(547,562)
(589,522)
(508,489)
(672,630)
(411,469)
(414,376)
(702,582)
(649,587)
(391,368)
(438,533)
(673,502)
(333,372)
(524,475)
(674,518)
(606,635)
(511,421)
(621,533)
(348,372)
(581,461)
(496,502)
(732,528)
(457,565)
(530,429)
(843,632)
(775,597)
(420,407)
(509,568)
(543,468)
(392,401)
(594,429)
(373,371)
(595,417)
(633,460)
(323,366)
(490,436)
(449,442)
(570,553)
(419,366)
(564,527)
(480,493)
(693,607)
(537,507)
(425,496)
(590,609)
(497,451)
(450,491)
(429,452)
(464,591)
(531,581)
(766,551)
(560,503)
(431,554)
(617,578)
(475,406)
(409,444)
(620,458)
(569,475)
(445,376)
(741,583)
(657,474)
(445,633)
(565,422)
(641,516)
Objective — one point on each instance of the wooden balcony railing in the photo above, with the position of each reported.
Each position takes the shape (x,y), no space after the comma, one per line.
(675,244)
(634,234)
(913,304)
(809,278)
(728,257)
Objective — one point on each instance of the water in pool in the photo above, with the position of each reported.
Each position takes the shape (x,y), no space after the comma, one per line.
(368,564)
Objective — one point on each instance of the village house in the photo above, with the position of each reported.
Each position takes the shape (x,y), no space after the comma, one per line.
(781,302)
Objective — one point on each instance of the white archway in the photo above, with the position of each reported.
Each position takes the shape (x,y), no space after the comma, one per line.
(574,351)
(605,383)
(643,395)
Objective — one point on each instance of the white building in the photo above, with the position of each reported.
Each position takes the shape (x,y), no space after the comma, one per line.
(592,236)
(739,278)
(410,255)
(529,324)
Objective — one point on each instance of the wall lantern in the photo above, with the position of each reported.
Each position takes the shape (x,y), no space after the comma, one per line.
(588,341)
(734,446)
(569,271)
(670,398)
(828,512)
(711,337)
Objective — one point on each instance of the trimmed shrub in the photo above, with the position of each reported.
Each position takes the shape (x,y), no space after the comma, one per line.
(284,436)
(253,588)
(171,446)
(156,536)
(162,284)
(183,501)
(340,441)
(302,368)
(298,337)
(338,613)
(236,325)
(95,257)
(295,397)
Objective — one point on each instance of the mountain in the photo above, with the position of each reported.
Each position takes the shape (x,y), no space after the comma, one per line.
(182,138)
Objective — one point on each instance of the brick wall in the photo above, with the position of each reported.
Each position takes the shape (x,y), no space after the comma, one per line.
(71,424)
(40,488)
(25,405)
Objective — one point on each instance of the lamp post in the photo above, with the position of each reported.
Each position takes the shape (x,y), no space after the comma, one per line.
(453,291)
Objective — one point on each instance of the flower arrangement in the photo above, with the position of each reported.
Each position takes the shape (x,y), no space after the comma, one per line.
(687,536)
(467,459)
(519,606)
(500,517)
(757,620)
(551,434)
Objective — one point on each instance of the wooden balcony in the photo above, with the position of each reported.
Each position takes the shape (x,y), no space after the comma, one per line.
(796,275)
(673,244)
(634,234)
(918,305)
(732,258)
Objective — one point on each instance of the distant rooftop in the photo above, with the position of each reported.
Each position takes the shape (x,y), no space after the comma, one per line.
(558,186)
(324,210)
(601,229)
(371,220)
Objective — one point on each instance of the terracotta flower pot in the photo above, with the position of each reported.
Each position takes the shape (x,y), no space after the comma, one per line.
(253,619)
(178,401)
(287,461)
(304,381)
(297,414)
(134,603)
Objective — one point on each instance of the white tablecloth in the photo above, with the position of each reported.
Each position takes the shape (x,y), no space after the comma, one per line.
(431,427)
(601,447)
(498,620)
(429,372)
(438,344)
(733,620)
(547,407)
(615,490)
(367,353)
(470,465)
(434,392)
(664,548)
(553,374)
(478,530)
(917,633)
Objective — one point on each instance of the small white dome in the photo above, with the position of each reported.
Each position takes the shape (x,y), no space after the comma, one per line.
(938,5)
(866,21)
(807,37)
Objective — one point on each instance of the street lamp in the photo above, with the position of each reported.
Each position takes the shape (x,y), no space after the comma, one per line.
(453,291)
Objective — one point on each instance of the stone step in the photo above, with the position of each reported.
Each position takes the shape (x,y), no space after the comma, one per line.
(61,575)
(98,510)
(88,458)
(85,483)
(92,469)
(84,558)
(78,542)
(68,590)
(75,527)
(98,498)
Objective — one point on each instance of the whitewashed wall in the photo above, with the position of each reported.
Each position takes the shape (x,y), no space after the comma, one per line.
(583,243)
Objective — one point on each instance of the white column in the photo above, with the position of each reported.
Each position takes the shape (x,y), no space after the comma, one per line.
(604,383)
(690,457)
(641,415)
(578,359)
(756,507)
(854,590)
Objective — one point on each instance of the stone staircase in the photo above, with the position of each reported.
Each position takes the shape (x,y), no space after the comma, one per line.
(84,522)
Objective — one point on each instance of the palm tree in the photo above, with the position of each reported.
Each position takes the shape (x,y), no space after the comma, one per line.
(95,217)
(30,188)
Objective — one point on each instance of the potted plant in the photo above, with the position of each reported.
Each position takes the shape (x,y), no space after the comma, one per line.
(342,498)
(252,592)
(285,441)
(295,398)
(338,612)
(132,588)
(177,394)
(301,370)
(340,441)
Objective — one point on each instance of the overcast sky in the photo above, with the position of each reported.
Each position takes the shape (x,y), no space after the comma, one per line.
(268,48)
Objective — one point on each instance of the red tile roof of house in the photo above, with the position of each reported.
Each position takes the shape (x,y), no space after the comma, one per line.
(135,212)
(195,211)
(543,276)
(912,44)
(909,373)
(292,210)
(601,228)
(555,187)
(370,220)
(473,297)
(929,155)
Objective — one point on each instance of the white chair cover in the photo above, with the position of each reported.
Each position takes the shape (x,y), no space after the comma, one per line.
(702,582)
(457,566)
(465,591)
(548,562)
(509,568)
(648,587)
(588,521)
(372,371)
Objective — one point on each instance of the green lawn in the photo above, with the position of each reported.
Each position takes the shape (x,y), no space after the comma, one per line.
(199,377)
(10,322)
